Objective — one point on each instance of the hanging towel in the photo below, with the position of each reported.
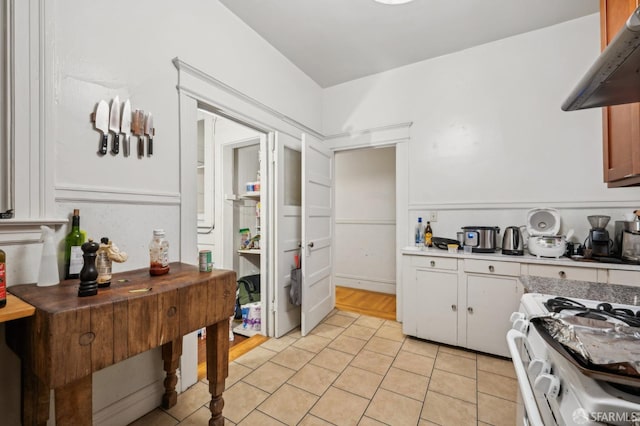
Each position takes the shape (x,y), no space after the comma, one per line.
(295,294)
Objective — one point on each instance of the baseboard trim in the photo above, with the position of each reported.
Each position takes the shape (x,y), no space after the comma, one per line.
(360,284)
(131,407)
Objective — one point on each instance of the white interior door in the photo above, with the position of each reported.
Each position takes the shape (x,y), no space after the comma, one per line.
(287,226)
(318,292)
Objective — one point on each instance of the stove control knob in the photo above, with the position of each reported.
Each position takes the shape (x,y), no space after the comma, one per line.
(516,315)
(539,366)
(522,325)
(548,384)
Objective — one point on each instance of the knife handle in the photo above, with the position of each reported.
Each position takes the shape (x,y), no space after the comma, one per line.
(125,146)
(115,149)
(140,146)
(103,144)
(150,146)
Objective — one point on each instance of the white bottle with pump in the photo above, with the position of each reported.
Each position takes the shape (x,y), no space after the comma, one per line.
(48,274)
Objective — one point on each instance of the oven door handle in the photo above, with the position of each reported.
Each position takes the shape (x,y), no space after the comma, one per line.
(523,381)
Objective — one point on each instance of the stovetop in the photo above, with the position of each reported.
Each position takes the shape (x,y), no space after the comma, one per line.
(603,311)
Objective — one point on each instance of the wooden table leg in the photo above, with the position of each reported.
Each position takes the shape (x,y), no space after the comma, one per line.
(171,353)
(74,405)
(35,399)
(217,367)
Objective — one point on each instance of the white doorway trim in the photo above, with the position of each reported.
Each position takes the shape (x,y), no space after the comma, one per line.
(196,87)
(397,135)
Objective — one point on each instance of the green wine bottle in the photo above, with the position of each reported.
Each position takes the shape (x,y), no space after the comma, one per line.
(73,260)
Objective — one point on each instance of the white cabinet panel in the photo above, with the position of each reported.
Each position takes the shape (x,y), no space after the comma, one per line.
(564,272)
(492,267)
(490,302)
(624,277)
(436,298)
(434,262)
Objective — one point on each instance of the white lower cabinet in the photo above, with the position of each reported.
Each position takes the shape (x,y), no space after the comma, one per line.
(490,302)
(431,297)
(449,301)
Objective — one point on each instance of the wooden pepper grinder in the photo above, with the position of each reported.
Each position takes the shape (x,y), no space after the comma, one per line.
(89,272)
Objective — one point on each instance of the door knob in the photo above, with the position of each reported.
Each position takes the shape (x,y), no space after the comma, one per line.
(311,244)
(299,244)
(491,268)
(453,308)
(433,263)
(562,274)
(470,309)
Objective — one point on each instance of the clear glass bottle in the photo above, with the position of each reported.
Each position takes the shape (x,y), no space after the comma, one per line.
(419,234)
(158,253)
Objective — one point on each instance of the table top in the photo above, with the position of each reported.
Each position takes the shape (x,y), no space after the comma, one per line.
(124,286)
(16,308)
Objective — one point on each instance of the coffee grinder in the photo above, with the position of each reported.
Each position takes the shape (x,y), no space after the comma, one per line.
(599,240)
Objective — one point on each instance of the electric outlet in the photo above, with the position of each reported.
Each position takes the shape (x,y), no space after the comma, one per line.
(433,216)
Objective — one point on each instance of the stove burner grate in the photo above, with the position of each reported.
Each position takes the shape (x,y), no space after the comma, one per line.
(603,311)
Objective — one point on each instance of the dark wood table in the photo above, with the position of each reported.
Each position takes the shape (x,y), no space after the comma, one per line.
(70,337)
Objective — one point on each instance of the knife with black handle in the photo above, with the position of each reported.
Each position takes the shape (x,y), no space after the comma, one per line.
(148,130)
(114,125)
(102,124)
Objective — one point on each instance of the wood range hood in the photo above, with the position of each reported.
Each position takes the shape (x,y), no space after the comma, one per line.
(614,78)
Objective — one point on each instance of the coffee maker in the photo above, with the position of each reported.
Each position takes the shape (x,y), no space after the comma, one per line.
(599,241)
(627,240)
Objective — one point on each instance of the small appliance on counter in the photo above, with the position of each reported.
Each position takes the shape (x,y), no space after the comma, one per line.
(598,240)
(627,240)
(512,241)
(481,239)
(543,225)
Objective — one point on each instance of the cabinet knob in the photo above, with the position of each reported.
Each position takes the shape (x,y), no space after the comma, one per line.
(470,309)
(454,308)
(491,268)
(310,244)
(433,263)
(562,274)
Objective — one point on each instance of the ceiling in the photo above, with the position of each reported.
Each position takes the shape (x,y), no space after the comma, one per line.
(333,41)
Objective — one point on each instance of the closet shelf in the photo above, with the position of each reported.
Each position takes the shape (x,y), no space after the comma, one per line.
(250,251)
(254,195)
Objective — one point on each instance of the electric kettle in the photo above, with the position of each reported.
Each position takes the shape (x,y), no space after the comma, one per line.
(512,241)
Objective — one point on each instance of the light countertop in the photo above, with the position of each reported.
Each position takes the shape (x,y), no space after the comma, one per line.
(527,258)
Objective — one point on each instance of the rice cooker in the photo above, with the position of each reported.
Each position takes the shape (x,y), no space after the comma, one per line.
(542,226)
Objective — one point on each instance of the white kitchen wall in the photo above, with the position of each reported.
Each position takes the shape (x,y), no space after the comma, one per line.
(488,140)
(365,219)
(97,51)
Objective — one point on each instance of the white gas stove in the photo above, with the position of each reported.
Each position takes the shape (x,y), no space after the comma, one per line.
(554,389)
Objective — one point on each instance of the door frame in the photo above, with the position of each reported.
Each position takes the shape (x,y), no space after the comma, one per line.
(197,88)
(398,136)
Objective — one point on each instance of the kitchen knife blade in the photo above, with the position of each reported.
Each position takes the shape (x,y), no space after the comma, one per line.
(138,130)
(125,127)
(102,124)
(114,126)
(148,130)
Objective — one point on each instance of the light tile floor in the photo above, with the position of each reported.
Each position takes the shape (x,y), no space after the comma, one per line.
(355,370)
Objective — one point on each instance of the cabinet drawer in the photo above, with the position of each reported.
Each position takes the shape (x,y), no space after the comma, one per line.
(631,278)
(564,272)
(432,262)
(492,267)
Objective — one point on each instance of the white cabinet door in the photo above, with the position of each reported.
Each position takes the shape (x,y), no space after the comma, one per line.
(286,237)
(318,291)
(435,302)
(490,302)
